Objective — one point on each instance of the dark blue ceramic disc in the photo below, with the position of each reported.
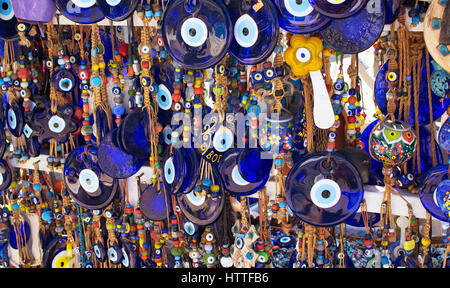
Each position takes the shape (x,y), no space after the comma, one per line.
(117,10)
(254,165)
(439,104)
(427,190)
(24,234)
(192,171)
(197,34)
(5,175)
(255,32)
(63,80)
(444,135)
(392,10)
(202,210)
(300,17)
(174,170)
(81,11)
(324,196)
(115,162)
(15,120)
(232,179)
(133,135)
(8,22)
(338,8)
(88,185)
(426,156)
(358,221)
(441,195)
(153,202)
(356,33)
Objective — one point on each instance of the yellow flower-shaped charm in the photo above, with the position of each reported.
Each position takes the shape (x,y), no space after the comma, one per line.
(303,54)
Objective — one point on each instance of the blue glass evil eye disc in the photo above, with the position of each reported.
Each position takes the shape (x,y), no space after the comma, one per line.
(153,202)
(338,8)
(358,32)
(117,10)
(254,164)
(115,162)
(324,196)
(196,35)
(81,11)
(300,17)
(255,31)
(8,21)
(429,183)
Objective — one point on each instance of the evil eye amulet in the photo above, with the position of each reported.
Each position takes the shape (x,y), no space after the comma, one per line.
(63,80)
(392,143)
(117,10)
(8,21)
(197,34)
(81,11)
(300,17)
(255,30)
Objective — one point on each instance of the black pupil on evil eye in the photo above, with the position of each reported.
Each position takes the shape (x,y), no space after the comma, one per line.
(163,98)
(88,181)
(169,136)
(326,194)
(392,133)
(192,32)
(298,2)
(169,171)
(303,55)
(245,31)
(5,6)
(222,141)
(56,125)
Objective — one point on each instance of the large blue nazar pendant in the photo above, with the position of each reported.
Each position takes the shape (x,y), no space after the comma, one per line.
(196,33)
(81,11)
(255,30)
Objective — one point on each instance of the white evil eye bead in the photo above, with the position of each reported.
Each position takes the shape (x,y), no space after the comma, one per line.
(21,27)
(325,193)
(6,10)
(16,83)
(298,8)
(56,124)
(336,2)
(392,76)
(223,139)
(303,55)
(65,84)
(154,88)
(221,69)
(72,59)
(84,86)
(84,3)
(246,31)
(194,254)
(12,119)
(113,2)
(189,228)
(77,36)
(49,64)
(194,199)
(97,251)
(89,181)
(169,171)
(410,177)
(145,81)
(239,243)
(209,237)
(257,76)
(116,90)
(125,260)
(285,240)
(164,97)
(23,93)
(157,251)
(237,177)
(176,107)
(145,49)
(115,255)
(167,132)
(194,32)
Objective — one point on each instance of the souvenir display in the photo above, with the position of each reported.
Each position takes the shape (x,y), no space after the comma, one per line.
(224,134)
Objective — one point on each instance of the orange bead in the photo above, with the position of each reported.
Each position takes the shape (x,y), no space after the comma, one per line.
(352,100)
(331,145)
(87,138)
(118,121)
(86,107)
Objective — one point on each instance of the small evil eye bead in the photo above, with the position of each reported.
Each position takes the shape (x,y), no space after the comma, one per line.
(84,86)
(332,136)
(116,90)
(160,41)
(269,74)
(145,81)
(221,69)
(16,83)
(21,27)
(338,86)
(72,59)
(392,76)
(257,77)
(145,49)
(154,88)
(77,36)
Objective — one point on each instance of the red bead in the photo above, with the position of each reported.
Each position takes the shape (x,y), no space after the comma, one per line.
(123,50)
(351,119)
(145,64)
(176,97)
(23,73)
